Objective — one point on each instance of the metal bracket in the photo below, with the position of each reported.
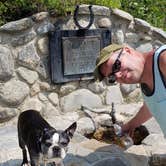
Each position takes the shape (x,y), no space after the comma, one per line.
(91,20)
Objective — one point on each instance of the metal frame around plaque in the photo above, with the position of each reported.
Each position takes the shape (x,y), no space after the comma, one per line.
(73,53)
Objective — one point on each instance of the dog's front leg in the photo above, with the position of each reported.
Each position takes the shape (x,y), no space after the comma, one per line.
(53,164)
(34,163)
(34,160)
(45,164)
(25,160)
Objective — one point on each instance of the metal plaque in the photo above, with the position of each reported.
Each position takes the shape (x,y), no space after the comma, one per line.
(73,53)
(79,54)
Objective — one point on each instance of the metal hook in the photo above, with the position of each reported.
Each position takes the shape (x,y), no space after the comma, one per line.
(91,20)
(112,113)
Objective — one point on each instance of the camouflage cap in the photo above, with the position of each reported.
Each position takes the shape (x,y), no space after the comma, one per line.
(105,54)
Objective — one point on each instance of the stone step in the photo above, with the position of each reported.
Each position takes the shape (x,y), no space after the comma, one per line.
(10,153)
(85,152)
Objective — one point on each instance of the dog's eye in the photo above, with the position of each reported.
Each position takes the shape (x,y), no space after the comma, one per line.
(48,144)
(63,143)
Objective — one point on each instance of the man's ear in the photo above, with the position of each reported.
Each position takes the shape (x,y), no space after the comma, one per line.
(127,49)
(71,129)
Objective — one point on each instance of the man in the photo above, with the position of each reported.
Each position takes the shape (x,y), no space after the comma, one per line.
(126,65)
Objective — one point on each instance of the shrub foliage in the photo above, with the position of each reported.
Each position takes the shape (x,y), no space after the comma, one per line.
(149,10)
(15,9)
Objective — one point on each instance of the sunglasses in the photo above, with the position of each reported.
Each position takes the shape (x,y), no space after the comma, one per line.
(115,68)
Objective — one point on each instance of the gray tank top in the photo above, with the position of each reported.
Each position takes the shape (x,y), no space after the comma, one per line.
(156,101)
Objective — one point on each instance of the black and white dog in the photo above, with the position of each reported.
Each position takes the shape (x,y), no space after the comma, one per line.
(44,143)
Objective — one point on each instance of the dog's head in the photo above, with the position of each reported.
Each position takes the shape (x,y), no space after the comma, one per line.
(54,143)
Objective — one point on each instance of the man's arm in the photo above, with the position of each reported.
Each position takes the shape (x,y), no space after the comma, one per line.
(142,116)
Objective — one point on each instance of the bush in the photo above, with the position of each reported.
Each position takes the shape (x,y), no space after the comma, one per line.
(149,10)
(11,10)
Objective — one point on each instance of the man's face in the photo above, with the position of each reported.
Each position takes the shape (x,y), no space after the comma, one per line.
(130,69)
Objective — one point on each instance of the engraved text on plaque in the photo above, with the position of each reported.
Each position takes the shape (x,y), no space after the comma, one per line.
(80,53)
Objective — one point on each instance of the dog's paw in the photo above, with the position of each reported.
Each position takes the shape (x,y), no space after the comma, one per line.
(52,164)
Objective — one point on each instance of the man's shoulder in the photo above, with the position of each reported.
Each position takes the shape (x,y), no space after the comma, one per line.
(162,62)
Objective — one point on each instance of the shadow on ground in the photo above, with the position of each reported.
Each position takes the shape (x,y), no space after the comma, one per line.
(15,162)
(110,155)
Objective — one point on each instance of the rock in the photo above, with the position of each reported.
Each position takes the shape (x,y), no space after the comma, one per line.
(141,24)
(74,100)
(35,89)
(28,75)
(101,151)
(134,97)
(122,14)
(97,10)
(7,113)
(53,97)
(84,22)
(113,94)
(104,120)
(6,63)
(152,126)
(75,161)
(42,45)
(104,23)
(78,138)
(126,111)
(28,56)
(45,27)
(62,121)
(49,110)
(145,47)
(157,44)
(22,39)
(32,103)
(127,88)
(111,161)
(44,86)
(40,16)
(137,156)
(43,98)
(97,87)
(68,87)
(13,92)
(43,68)
(119,36)
(85,126)
(17,26)
(153,140)
(158,155)
(159,33)
(10,154)
(132,38)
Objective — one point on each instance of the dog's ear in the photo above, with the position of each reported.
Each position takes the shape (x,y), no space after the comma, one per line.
(71,129)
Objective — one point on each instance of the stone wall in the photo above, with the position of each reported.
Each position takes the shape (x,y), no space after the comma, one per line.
(25,84)
(24,63)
